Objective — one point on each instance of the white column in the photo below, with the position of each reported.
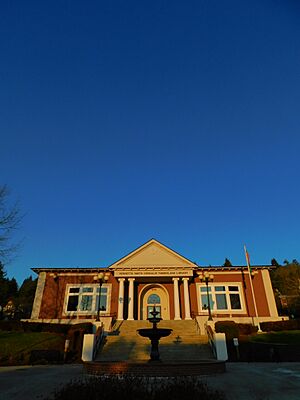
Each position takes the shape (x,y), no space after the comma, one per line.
(269,293)
(121,298)
(130,299)
(186,298)
(38,296)
(176,299)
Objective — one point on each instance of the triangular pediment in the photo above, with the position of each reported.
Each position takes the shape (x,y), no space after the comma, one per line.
(153,254)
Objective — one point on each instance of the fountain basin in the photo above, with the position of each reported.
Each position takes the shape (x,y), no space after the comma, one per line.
(155,333)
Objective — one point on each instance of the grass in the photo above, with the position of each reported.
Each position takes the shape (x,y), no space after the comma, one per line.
(282,337)
(15,347)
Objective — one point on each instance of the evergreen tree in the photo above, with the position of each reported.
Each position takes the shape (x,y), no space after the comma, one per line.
(227,263)
(26,296)
(8,289)
(274,262)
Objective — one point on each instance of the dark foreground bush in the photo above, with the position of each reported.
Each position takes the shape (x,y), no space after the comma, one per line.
(132,388)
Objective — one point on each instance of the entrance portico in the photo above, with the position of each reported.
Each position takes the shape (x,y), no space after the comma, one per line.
(153,269)
(154,295)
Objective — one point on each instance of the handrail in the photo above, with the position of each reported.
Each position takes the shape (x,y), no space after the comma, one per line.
(198,330)
(99,337)
(211,340)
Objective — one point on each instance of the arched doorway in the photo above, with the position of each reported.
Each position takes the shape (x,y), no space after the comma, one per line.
(154,295)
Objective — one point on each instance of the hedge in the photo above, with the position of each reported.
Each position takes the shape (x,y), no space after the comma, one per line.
(11,326)
(27,326)
(232,329)
(291,324)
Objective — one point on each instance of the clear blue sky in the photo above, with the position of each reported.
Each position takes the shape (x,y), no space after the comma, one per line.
(126,120)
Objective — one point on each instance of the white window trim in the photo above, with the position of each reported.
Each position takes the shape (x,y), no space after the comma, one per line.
(242,310)
(94,294)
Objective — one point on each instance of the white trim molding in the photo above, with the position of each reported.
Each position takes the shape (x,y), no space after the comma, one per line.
(38,295)
(269,293)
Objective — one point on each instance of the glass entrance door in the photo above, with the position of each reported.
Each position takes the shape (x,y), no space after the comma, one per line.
(153,301)
(150,309)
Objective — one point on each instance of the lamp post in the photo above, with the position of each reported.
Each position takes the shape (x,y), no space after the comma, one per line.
(101,277)
(207,277)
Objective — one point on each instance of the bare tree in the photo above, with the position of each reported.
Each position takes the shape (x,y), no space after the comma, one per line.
(10,219)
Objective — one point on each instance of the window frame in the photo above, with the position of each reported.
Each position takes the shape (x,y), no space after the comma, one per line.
(94,294)
(227,293)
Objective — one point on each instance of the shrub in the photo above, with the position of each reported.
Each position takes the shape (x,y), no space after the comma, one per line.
(247,329)
(230,328)
(45,327)
(11,326)
(292,324)
(130,388)
(55,328)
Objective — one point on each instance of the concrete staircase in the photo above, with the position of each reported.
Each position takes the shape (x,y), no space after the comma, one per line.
(184,344)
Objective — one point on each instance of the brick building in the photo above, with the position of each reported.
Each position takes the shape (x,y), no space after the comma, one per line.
(153,275)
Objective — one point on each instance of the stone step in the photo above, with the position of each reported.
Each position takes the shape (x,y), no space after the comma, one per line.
(184,343)
(205,367)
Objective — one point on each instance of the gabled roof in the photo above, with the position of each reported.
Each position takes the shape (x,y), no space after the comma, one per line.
(153,253)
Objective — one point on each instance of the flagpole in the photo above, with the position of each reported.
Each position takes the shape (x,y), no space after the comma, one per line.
(251,285)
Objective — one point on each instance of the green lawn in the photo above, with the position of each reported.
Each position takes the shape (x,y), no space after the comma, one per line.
(15,347)
(282,337)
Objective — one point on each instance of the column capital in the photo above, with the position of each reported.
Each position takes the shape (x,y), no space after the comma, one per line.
(121,279)
(185,278)
(131,279)
(175,279)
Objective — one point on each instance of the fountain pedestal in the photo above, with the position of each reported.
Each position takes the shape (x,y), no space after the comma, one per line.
(154,334)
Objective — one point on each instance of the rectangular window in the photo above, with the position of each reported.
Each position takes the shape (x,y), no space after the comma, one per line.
(86,303)
(85,299)
(204,300)
(102,304)
(204,289)
(221,302)
(221,297)
(235,301)
(72,303)
(74,290)
(87,290)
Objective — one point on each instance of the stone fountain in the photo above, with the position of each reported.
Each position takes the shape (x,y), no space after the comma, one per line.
(154,334)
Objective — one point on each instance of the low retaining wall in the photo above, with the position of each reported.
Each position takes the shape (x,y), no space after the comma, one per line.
(152,368)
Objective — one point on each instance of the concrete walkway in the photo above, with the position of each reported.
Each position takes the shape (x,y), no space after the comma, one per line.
(258,381)
(31,382)
(245,381)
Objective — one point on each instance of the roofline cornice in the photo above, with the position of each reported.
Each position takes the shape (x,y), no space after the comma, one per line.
(69,269)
